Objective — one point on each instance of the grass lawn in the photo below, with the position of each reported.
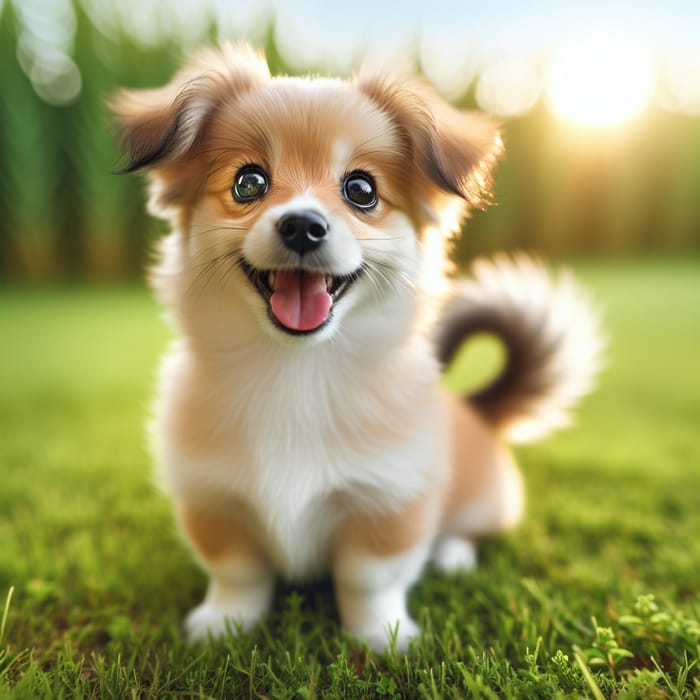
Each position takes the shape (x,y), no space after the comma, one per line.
(563,607)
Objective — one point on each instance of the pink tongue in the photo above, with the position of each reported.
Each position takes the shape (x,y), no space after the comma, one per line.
(300,300)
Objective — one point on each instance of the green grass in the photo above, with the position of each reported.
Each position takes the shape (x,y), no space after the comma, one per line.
(560,608)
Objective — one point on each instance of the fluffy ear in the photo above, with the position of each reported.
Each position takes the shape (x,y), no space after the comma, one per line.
(453,152)
(161,125)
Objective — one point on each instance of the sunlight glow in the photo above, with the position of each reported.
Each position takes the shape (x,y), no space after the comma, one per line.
(599,82)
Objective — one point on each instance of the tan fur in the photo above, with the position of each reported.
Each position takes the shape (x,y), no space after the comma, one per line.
(219,536)
(477,455)
(305,135)
(192,413)
(476,452)
(453,152)
(393,532)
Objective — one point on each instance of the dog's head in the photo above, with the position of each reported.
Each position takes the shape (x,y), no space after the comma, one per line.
(302,202)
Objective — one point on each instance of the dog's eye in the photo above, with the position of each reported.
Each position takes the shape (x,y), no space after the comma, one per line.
(250,184)
(359,190)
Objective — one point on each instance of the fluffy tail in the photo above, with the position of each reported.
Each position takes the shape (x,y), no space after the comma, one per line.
(551,334)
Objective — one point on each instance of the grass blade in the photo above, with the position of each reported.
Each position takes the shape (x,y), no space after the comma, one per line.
(5,613)
(588,676)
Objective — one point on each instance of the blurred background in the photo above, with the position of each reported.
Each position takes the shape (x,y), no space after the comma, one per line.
(600,105)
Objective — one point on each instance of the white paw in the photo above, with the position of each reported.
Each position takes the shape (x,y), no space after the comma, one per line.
(229,607)
(454,553)
(406,631)
(207,619)
(204,620)
(380,639)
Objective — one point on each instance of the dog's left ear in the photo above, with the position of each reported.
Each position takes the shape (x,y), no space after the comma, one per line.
(162,125)
(453,153)
(160,128)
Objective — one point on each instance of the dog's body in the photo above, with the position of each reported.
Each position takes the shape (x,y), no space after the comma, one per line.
(301,428)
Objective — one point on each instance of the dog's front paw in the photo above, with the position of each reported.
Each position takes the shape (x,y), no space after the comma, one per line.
(208,620)
(452,554)
(205,620)
(226,607)
(381,638)
(401,636)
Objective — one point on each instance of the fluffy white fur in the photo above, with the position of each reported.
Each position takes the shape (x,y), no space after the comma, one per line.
(334,451)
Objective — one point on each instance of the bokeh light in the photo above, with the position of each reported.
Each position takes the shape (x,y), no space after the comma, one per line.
(509,86)
(499,50)
(44,48)
(444,58)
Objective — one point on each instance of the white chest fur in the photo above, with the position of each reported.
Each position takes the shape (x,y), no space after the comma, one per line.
(302,442)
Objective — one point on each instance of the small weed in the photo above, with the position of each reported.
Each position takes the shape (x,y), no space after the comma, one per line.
(605,651)
(654,632)
(659,641)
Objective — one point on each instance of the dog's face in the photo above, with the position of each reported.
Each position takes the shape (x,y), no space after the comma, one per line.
(308,190)
(300,202)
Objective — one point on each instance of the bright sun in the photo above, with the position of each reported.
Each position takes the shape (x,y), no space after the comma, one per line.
(599,83)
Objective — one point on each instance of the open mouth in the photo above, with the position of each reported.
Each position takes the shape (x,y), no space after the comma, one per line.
(299,301)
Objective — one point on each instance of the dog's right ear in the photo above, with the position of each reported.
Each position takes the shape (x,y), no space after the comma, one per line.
(161,125)
(450,154)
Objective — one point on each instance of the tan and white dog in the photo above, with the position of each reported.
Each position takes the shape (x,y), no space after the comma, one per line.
(301,426)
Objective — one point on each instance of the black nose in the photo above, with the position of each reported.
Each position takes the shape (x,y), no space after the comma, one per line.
(302,231)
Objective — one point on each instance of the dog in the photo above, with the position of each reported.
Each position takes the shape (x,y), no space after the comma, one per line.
(300,425)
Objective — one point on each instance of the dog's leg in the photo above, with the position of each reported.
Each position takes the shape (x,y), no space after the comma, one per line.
(485,491)
(242,581)
(497,508)
(376,561)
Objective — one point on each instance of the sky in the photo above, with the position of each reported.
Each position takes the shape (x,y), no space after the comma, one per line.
(507,49)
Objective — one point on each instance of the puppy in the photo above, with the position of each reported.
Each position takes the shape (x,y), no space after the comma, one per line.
(300,425)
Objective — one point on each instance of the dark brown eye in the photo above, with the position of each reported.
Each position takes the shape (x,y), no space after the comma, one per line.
(359,190)
(250,184)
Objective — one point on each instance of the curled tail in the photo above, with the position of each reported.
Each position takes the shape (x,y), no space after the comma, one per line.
(551,334)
